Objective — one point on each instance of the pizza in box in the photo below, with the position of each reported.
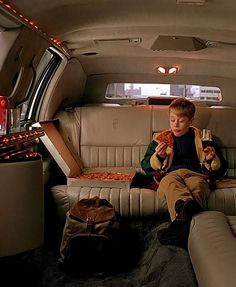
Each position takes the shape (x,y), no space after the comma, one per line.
(106,176)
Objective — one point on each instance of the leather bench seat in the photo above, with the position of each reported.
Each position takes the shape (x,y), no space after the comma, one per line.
(118,136)
(136,202)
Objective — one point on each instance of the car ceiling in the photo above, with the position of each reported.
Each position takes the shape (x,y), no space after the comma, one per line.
(126,36)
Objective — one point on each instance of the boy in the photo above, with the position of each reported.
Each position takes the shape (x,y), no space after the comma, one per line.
(178,157)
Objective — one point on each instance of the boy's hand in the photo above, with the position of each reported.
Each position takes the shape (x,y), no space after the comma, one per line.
(209,153)
(161,150)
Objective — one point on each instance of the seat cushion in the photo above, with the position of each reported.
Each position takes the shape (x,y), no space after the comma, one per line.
(223,200)
(137,202)
(212,249)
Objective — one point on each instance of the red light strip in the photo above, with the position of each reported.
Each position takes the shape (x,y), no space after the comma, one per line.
(29,22)
(20,138)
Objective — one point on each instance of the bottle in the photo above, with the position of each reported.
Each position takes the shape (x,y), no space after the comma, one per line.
(4,106)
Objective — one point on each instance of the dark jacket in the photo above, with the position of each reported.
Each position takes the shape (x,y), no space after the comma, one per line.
(152,164)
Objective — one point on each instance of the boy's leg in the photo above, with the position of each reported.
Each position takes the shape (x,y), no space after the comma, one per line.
(188,191)
(173,187)
(183,185)
(198,187)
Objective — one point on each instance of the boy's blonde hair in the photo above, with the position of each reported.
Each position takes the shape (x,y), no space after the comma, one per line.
(183,108)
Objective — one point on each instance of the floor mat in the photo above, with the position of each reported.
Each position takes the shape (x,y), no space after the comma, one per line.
(145,263)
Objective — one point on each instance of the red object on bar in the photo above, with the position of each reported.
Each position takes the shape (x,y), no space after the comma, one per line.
(4,105)
(20,137)
(13,147)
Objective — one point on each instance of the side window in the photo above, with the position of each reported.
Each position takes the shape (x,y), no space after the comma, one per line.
(45,70)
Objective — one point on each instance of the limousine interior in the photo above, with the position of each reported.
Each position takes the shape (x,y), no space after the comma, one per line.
(84,87)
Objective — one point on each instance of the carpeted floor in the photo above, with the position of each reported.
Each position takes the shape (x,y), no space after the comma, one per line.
(144,262)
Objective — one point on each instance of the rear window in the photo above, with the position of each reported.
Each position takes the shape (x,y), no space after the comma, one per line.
(144,91)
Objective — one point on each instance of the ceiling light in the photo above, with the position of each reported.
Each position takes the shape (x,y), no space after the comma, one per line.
(167,70)
(161,70)
(172,70)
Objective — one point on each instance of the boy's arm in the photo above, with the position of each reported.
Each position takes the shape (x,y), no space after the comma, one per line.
(146,161)
(220,172)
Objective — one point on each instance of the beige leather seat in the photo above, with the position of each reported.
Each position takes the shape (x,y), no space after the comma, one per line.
(212,248)
(110,137)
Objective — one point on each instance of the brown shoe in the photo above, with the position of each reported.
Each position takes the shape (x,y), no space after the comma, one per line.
(186,209)
(176,234)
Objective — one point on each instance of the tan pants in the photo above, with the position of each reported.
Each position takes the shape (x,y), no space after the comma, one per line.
(183,184)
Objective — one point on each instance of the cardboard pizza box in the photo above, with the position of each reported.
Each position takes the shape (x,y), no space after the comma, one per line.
(59,150)
(104,177)
(70,163)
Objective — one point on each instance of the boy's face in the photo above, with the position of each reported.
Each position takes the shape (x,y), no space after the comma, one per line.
(179,124)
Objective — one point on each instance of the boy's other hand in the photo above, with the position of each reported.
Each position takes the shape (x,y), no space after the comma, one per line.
(209,153)
(161,150)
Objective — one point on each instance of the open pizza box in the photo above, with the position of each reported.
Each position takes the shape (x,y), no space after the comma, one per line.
(70,163)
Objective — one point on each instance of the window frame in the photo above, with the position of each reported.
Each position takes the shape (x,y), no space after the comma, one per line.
(40,85)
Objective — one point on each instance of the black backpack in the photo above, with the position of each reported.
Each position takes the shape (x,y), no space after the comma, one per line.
(90,237)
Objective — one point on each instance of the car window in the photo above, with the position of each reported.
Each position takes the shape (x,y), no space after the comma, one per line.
(44,72)
(146,90)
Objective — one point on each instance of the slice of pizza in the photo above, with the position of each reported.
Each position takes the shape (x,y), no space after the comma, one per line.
(167,138)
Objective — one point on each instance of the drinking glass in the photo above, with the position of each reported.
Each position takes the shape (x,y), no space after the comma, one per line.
(206,138)
(14,120)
